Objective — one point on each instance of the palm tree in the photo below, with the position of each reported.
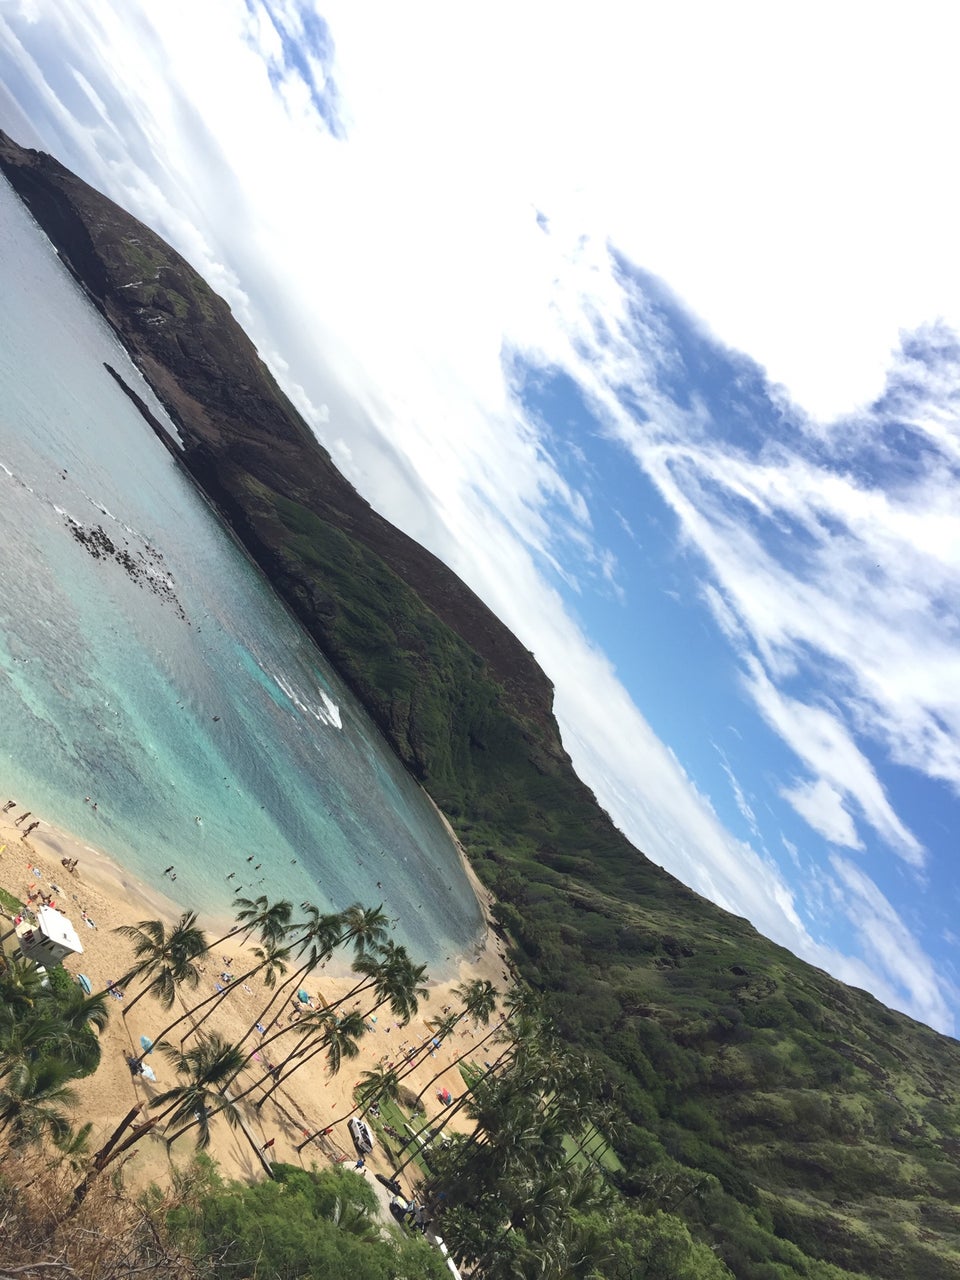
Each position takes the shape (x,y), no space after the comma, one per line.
(210,1067)
(368,964)
(381,1082)
(542,1208)
(400,983)
(460,1057)
(443,1030)
(20,982)
(258,915)
(25,1035)
(317,937)
(166,959)
(366,927)
(523,1055)
(270,960)
(339,1039)
(479,1000)
(56,1026)
(30,1101)
(397,981)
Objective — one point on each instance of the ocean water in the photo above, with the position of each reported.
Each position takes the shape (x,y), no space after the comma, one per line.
(146,668)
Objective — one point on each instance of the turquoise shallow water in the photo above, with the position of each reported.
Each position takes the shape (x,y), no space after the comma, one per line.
(157,674)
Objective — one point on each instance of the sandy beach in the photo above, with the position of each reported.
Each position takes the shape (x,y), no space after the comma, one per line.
(108,896)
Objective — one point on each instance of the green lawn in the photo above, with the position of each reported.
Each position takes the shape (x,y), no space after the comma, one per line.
(393,1115)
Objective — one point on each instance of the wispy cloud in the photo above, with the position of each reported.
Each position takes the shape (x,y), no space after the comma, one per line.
(822,806)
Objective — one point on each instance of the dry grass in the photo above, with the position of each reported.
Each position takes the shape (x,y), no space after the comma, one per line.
(112,1237)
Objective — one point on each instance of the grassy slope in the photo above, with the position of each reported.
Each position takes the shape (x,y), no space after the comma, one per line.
(814,1126)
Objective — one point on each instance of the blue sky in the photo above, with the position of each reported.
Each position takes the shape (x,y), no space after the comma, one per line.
(653,345)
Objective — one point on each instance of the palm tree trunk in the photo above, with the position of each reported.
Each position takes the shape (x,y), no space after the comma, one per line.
(415,1147)
(278,1078)
(456,1062)
(294,977)
(362,986)
(81,1190)
(461,1101)
(139,996)
(217,996)
(114,1138)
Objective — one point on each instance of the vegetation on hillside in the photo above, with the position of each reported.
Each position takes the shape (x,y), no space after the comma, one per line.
(790,1124)
(514,1195)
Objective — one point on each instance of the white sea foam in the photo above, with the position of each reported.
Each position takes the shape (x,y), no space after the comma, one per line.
(328,713)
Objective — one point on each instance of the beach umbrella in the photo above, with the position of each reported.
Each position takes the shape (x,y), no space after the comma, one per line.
(149,1074)
(303,995)
(84,983)
(146,1043)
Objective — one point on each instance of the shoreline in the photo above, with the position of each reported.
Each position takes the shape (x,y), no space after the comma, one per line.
(102,874)
(104,895)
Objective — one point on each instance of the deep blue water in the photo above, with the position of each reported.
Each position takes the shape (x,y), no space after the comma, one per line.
(164,680)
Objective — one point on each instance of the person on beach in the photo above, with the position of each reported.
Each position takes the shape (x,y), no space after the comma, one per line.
(169,869)
(267,1145)
(32,827)
(23,817)
(11,804)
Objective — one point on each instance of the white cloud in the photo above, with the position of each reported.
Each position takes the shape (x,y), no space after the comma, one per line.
(820,739)
(740,799)
(822,806)
(892,951)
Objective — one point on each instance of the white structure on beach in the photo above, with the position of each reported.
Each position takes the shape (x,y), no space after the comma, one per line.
(51,940)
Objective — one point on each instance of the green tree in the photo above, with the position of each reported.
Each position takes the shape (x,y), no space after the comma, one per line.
(165,959)
(270,964)
(308,1224)
(270,920)
(32,1100)
(210,1068)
